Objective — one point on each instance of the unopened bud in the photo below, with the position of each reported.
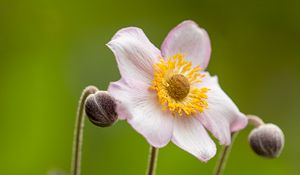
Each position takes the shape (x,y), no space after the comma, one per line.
(267,140)
(101,109)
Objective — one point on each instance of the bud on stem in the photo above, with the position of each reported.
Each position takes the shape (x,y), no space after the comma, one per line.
(100,108)
(266,140)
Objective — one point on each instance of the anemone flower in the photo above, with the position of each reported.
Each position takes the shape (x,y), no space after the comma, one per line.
(166,95)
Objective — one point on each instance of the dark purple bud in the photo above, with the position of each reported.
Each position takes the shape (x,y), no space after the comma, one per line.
(101,109)
(267,140)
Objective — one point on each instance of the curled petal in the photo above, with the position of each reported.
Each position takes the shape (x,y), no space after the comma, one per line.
(190,135)
(135,54)
(222,116)
(189,39)
(140,107)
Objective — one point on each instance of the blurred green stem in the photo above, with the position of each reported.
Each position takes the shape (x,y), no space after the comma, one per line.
(152,160)
(78,131)
(224,156)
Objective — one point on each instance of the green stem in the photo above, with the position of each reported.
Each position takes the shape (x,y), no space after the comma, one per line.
(152,160)
(224,156)
(78,131)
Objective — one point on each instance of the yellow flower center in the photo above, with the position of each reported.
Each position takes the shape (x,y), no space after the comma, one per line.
(173,81)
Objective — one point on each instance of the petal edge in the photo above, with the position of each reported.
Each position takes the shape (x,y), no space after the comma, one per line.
(189,39)
(191,136)
(141,109)
(134,53)
(222,116)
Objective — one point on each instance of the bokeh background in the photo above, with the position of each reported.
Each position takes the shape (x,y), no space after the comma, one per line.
(51,49)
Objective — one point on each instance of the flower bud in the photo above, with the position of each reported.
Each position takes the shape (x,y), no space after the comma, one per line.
(101,109)
(267,140)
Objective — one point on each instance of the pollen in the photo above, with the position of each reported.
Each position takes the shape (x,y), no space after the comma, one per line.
(174,82)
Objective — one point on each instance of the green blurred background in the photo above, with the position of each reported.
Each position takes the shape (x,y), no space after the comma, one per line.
(51,49)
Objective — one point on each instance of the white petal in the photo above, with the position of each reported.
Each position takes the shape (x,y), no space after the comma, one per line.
(141,108)
(189,39)
(190,135)
(135,54)
(222,116)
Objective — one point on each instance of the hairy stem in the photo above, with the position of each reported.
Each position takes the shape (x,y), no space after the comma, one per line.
(152,160)
(224,156)
(78,131)
(255,120)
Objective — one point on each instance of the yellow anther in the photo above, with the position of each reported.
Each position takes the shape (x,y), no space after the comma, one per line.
(173,82)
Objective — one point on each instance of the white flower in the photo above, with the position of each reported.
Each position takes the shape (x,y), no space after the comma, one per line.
(167,96)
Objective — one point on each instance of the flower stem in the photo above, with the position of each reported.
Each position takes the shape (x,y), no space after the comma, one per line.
(255,120)
(224,156)
(78,131)
(152,160)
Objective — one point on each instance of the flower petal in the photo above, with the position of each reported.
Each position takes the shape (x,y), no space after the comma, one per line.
(135,54)
(190,135)
(189,39)
(222,116)
(140,107)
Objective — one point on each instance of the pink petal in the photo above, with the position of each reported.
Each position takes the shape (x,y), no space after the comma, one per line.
(222,116)
(135,54)
(140,107)
(190,135)
(189,39)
